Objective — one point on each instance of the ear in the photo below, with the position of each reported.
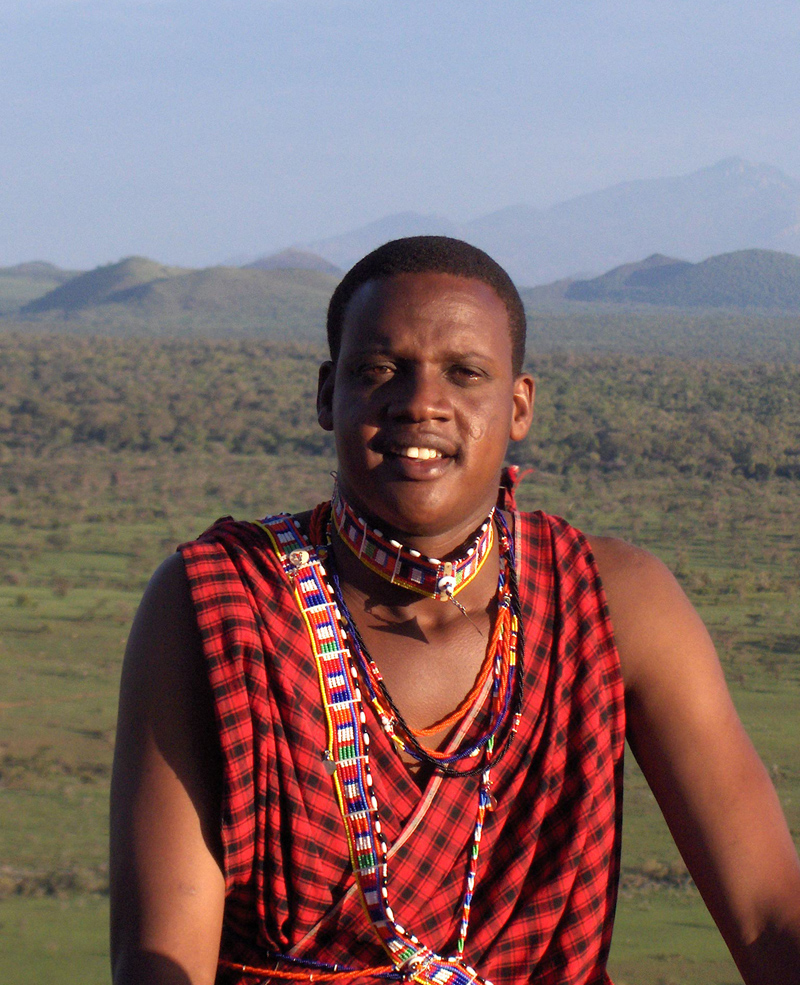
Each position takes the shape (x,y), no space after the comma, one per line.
(522,414)
(327,372)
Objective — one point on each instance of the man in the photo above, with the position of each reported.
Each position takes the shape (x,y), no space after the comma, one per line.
(385,738)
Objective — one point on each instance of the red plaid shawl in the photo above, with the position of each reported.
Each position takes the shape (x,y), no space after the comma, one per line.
(549,862)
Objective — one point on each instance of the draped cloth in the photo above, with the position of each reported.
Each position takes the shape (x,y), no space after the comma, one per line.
(549,861)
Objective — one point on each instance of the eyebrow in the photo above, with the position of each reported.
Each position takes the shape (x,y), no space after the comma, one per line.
(383,345)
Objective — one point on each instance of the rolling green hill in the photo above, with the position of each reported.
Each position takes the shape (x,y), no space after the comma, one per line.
(744,279)
(25,282)
(102,285)
(138,296)
(660,306)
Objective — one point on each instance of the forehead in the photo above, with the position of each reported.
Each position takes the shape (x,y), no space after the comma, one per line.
(428,307)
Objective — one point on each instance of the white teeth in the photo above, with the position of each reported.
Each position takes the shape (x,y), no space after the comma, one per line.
(423,453)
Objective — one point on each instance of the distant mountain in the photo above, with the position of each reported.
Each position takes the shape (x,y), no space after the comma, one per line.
(102,285)
(293,259)
(731,206)
(346,249)
(25,282)
(743,279)
(140,296)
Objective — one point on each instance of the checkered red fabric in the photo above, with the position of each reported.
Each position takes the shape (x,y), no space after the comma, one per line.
(547,878)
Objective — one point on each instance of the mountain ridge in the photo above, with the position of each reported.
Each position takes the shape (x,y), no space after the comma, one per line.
(290,305)
(294,259)
(24,282)
(728,206)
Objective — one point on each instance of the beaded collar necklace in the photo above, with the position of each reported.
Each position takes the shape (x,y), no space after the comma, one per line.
(400,565)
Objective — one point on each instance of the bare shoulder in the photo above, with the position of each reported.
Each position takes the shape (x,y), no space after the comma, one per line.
(618,560)
(164,693)
(653,620)
(167,887)
(167,597)
(163,657)
(711,786)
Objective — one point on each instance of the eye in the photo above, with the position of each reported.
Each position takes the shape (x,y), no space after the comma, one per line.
(375,371)
(465,374)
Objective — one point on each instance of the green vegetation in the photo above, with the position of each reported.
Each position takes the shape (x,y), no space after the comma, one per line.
(614,414)
(114,451)
(645,330)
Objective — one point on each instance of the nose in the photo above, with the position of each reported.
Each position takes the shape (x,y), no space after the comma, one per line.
(419,394)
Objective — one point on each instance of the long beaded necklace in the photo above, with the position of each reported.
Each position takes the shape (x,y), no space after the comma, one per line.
(346,758)
(507,682)
(503,643)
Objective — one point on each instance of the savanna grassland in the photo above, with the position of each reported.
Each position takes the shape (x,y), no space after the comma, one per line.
(113,451)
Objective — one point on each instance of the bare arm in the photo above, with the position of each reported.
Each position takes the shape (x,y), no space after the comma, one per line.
(167,888)
(706,776)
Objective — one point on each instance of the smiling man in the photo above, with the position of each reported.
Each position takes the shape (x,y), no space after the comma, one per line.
(382,740)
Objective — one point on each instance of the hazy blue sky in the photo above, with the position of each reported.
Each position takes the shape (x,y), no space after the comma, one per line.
(193,131)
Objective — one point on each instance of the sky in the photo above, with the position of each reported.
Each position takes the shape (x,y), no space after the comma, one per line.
(194,132)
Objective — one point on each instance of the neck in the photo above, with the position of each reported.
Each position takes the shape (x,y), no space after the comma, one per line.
(423,617)
(405,566)
(369,590)
(446,542)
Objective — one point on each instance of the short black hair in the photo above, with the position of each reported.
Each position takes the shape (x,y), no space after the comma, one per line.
(423,255)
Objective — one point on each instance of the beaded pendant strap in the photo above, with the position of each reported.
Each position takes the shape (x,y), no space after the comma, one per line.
(405,567)
(346,759)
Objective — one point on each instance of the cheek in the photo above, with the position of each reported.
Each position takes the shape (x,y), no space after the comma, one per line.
(481,422)
(353,431)
(477,429)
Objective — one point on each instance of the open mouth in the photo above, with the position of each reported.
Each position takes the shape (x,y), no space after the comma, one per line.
(417,453)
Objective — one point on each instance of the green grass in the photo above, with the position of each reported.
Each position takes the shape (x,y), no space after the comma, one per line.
(50,939)
(667,938)
(80,533)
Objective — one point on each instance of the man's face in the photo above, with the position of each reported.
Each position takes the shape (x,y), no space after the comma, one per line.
(423,401)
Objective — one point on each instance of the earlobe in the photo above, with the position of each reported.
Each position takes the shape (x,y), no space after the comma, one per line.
(327,372)
(524,392)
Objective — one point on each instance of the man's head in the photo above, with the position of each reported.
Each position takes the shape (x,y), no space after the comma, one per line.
(430,254)
(423,394)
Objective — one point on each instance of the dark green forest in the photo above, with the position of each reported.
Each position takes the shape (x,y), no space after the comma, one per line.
(629,415)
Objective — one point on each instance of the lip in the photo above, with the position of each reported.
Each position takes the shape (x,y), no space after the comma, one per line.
(395,446)
(391,448)
(417,468)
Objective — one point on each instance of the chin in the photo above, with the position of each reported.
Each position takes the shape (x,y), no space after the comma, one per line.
(413,516)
